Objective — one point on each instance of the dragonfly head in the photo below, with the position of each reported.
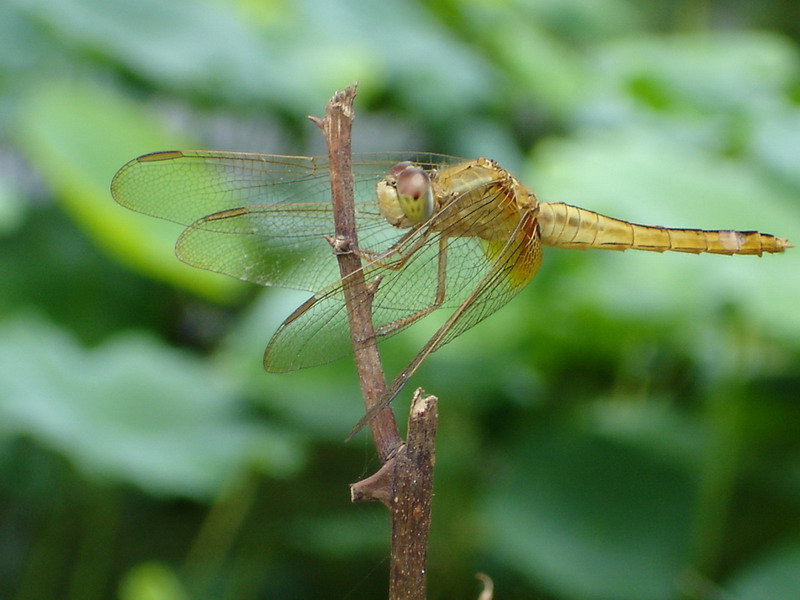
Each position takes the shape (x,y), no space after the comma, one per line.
(405,195)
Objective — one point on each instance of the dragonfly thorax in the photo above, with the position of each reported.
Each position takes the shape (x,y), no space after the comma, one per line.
(405,195)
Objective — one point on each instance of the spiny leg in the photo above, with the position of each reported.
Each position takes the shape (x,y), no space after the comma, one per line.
(395,264)
(494,289)
(441,286)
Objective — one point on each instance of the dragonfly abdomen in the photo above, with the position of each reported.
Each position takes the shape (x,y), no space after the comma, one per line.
(568,226)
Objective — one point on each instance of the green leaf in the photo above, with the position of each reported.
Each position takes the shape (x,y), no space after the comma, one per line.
(158,41)
(341,535)
(539,68)
(132,411)
(592,519)
(289,54)
(325,399)
(152,581)
(12,207)
(78,136)
(775,574)
(710,72)
(775,139)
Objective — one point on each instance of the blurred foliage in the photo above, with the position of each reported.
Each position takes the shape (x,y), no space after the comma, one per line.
(628,428)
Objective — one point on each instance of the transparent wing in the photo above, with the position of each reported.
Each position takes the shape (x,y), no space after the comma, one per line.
(428,270)
(282,245)
(512,267)
(513,264)
(184,186)
(261,218)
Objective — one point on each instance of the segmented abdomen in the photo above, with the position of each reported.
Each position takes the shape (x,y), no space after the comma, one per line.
(568,226)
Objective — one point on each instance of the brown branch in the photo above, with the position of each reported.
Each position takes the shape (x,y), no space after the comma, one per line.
(336,127)
(404,483)
(411,501)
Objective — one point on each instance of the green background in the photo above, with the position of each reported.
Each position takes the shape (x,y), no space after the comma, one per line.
(627,428)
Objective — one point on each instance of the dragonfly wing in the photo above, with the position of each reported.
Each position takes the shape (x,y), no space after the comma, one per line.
(184,186)
(316,333)
(278,245)
(493,251)
(510,268)
(425,271)
(261,218)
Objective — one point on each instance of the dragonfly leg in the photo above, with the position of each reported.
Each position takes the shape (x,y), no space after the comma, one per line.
(402,254)
(441,278)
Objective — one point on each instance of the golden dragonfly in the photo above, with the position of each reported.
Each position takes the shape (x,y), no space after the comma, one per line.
(434,232)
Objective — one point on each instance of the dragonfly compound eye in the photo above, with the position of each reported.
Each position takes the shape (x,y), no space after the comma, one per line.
(405,195)
(399,168)
(415,194)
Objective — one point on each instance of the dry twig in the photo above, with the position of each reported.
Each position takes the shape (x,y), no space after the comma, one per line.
(404,483)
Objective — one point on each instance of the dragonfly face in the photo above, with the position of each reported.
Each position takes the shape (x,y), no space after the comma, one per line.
(405,195)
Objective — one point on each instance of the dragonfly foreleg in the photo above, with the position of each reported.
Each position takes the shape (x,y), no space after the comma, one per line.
(395,256)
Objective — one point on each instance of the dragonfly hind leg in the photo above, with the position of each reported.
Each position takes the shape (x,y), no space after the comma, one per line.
(441,276)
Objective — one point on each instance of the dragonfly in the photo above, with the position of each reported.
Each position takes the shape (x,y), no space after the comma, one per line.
(435,232)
